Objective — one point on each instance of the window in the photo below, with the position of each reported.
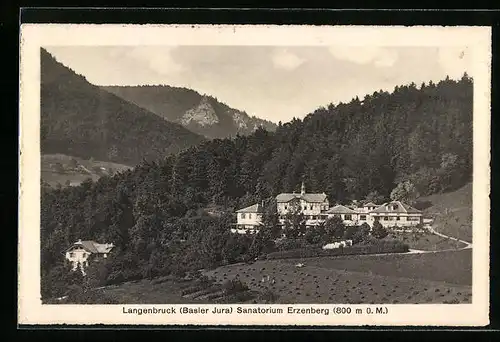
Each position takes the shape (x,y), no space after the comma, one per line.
(71,254)
(305,207)
(249,216)
(362,217)
(310,207)
(285,207)
(242,216)
(336,215)
(386,218)
(395,207)
(397,218)
(348,217)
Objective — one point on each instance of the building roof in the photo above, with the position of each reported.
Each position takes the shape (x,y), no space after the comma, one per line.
(311,198)
(340,209)
(410,210)
(93,247)
(256,208)
(400,208)
(370,204)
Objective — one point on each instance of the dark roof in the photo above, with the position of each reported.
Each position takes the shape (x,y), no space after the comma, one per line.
(93,247)
(340,209)
(256,208)
(311,198)
(410,209)
(400,208)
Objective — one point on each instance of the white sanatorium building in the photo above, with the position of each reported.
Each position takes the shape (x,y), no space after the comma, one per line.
(316,209)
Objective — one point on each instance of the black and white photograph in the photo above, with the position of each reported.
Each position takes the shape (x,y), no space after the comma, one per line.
(255,176)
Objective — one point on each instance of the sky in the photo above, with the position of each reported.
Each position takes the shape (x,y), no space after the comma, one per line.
(276,83)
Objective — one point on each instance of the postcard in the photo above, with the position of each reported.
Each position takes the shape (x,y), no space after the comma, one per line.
(254,175)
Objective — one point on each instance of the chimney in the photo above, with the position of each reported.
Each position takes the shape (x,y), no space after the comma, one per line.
(303,189)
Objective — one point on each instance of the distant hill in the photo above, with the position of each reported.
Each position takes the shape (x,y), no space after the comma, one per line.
(82,120)
(201,114)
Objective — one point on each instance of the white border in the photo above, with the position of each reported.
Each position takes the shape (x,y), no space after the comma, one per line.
(34,36)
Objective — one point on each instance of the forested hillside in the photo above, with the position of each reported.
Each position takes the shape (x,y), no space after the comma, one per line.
(417,135)
(82,120)
(201,114)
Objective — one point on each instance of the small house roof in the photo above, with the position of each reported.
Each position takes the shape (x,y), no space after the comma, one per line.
(93,247)
(370,204)
(340,209)
(256,208)
(311,198)
(397,207)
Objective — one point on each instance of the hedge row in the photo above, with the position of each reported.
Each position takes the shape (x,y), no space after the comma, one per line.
(385,247)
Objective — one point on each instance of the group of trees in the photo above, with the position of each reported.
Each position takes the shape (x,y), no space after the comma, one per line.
(155,215)
(334,229)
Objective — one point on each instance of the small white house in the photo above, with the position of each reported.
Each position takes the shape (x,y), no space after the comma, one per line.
(81,252)
(248,219)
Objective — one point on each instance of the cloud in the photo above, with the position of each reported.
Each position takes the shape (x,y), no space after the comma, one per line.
(380,57)
(286,60)
(455,61)
(158,58)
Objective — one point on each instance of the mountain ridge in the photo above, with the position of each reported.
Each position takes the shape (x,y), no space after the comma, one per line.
(80,119)
(181,105)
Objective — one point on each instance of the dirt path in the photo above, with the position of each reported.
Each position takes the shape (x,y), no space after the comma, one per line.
(466,243)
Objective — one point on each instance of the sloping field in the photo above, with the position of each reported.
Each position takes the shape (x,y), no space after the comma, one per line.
(427,241)
(167,290)
(321,283)
(148,292)
(441,277)
(63,169)
(453,267)
(452,212)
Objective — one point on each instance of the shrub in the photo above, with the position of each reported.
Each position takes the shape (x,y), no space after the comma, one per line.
(288,244)
(379,231)
(234,286)
(381,246)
